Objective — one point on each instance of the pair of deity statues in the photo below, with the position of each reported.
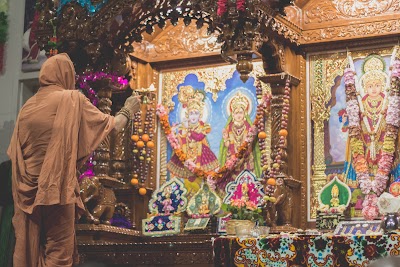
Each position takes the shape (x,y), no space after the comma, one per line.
(192,135)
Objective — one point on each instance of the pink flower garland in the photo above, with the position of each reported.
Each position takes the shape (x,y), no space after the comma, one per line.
(241,5)
(373,188)
(222,7)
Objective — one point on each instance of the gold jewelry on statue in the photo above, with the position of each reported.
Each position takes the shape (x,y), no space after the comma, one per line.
(238,135)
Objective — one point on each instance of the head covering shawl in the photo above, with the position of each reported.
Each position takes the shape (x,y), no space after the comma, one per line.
(55,132)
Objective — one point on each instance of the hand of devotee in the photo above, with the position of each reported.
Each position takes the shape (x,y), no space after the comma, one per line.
(132,105)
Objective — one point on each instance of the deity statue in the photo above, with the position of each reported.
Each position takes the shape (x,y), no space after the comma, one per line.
(245,192)
(234,134)
(335,196)
(167,202)
(192,136)
(373,106)
(204,209)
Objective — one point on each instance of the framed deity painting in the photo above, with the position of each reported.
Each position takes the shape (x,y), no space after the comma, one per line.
(330,154)
(210,111)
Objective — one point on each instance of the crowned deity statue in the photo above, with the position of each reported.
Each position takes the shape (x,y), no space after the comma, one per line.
(233,136)
(372,88)
(335,202)
(192,135)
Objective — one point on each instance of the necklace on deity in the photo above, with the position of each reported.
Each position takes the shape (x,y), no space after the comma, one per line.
(239,129)
(370,110)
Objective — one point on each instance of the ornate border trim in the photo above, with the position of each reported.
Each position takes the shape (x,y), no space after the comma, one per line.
(348,32)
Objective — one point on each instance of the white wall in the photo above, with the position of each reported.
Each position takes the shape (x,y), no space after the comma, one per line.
(13,87)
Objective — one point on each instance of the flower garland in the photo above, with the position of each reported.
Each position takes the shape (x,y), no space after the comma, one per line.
(222,6)
(373,188)
(231,163)
(283,132)
(262,141)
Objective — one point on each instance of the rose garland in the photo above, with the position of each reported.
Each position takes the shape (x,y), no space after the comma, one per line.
(231,163)
(373,188)
(222,6)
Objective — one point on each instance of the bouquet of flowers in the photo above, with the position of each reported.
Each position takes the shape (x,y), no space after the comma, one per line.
(244,210)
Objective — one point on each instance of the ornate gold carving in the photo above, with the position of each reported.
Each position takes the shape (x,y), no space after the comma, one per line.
(328,10)
(352,31)
(213,78)
(320,112)
(282,27)
(176,43)
(320,12)
(303,142)
(365,8)
(293,14)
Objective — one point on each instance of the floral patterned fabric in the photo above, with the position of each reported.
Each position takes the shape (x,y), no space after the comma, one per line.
(315,251)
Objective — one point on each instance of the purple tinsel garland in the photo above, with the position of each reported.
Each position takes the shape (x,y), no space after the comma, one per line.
(83,82)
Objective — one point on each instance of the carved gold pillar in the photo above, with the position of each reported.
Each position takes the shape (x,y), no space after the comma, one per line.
(319,166)
(319,114)
(101,156)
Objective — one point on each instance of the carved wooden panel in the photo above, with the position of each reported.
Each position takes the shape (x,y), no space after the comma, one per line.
(180,250)
(330,10)
(176,43)
(332,20)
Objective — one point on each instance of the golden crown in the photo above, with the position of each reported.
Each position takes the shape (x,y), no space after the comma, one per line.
(239,101)
(373,63)
(373,68)
(374,75)
(191,98)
